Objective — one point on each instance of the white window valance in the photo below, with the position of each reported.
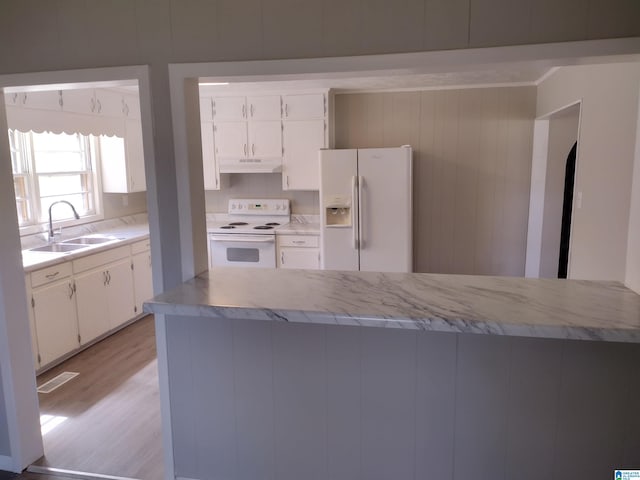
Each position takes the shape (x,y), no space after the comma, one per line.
(25,120)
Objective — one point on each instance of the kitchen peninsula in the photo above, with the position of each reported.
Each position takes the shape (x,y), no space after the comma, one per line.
(285,374)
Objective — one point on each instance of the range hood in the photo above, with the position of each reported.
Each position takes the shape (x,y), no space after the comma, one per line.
(250,165)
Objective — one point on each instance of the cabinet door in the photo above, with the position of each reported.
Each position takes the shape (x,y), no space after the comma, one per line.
(113,162)
(209,170)
(78,101)
(142,279)
(229,109)
(303,107)
(54,311)
(131,106)
(135,156)
(32,326)
(302,142)
(264,107)
(206,109)
(108,103)
(93,309)
(292,257)
(231,140)
(265,139)
(120,295)
(50,100)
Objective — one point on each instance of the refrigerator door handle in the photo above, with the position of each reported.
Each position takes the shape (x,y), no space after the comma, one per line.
(361,243)
(354,211)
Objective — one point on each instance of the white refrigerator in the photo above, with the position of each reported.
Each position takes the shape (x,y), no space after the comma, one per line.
(366,214)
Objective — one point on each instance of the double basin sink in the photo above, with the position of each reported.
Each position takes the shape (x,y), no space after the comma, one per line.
(75,244)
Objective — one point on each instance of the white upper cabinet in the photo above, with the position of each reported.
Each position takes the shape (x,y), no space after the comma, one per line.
(264,107)
(78,101)
(209,166)
(122,161)
(229,109)
(265,139)
(304,106)
(51,100)
(206,109)
(302,141)
(107,103)
(231,140)
(131,106)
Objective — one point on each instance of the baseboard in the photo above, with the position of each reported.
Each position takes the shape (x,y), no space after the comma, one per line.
(6,464)
(72,473)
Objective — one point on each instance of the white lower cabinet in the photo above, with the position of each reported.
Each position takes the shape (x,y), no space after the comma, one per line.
(104,285)
(142,274)
(75,302)
(298,251)
(93,318)
(53,307)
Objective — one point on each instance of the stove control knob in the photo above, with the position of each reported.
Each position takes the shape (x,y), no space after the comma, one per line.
(277,207)
(233,206)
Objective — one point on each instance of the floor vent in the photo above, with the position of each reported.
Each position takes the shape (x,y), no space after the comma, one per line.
(56,382)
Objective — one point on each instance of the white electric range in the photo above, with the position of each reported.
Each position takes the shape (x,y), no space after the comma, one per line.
(248,237)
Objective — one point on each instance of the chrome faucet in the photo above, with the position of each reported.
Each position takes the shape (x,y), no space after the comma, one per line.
(75,214)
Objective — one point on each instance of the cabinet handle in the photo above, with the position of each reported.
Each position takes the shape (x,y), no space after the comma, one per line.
(299,242)
(99,106)
(251,109)
(60,99)
(244,146)
(282,257)
(244,111)
(108,277)
(286,109)
(24,99)
(70,291)
(253,149)
(93,105)
(287,180)
(104,279)
(14,99)
(52,275)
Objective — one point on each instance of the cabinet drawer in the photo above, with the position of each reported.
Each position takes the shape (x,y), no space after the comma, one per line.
(141,246)
(298,241)
(50,274)
(98,259)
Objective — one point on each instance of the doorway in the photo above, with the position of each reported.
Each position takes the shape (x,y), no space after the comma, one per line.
(552,199)
(106,206)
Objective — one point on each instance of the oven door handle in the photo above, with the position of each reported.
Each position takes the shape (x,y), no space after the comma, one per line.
(243,238)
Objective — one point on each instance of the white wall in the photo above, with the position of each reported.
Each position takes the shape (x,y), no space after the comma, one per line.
(632,279)
(609,95)
(563,133)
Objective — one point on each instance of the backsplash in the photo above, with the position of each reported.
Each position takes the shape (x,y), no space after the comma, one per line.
(39,239)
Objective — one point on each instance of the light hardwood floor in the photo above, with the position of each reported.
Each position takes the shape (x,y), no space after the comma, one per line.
(112,409)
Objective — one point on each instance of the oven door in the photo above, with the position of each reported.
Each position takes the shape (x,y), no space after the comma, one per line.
(238,250)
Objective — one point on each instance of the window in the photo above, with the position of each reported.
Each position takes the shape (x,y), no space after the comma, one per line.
(48,167)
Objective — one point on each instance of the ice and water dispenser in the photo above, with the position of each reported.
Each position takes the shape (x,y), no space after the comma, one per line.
(337,211)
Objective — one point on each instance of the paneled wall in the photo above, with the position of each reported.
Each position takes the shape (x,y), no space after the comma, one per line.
(259,185)
(472,165)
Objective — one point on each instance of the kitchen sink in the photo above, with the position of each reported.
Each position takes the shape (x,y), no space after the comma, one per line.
(58,248)
(89,240)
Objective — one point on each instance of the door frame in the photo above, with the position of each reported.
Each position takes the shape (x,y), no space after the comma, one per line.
(17,369)
(539,161)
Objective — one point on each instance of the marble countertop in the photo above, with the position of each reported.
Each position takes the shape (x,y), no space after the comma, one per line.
(125,234)
(563,309)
